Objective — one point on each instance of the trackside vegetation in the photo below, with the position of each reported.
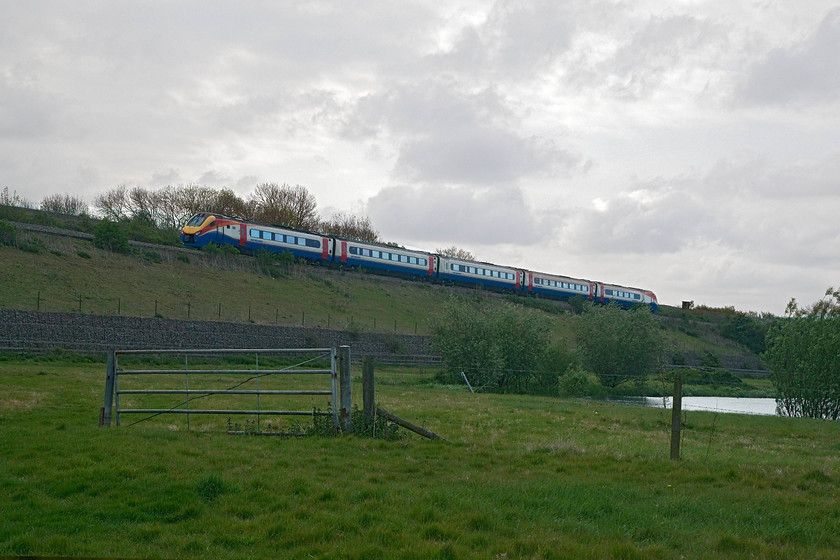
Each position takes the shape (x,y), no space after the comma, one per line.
(517,477)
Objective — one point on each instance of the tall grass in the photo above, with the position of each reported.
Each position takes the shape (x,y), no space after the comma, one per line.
(517,477)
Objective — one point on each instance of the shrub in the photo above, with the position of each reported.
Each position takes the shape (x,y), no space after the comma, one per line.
(804,354)
(110,236)
(8,234)
(620,345)
(499,348)
(575,382)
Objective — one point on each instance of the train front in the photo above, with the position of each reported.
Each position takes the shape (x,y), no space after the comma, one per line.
(196,225)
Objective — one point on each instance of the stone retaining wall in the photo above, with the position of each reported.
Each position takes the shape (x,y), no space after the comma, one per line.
(35,330)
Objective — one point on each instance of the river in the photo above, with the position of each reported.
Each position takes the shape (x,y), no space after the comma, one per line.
(732,405)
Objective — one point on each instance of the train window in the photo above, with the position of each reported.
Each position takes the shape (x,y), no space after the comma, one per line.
(267,235)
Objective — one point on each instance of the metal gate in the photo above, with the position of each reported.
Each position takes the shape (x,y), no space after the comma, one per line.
(233,382)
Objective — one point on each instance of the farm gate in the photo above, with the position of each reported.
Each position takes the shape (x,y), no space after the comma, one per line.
(253,384)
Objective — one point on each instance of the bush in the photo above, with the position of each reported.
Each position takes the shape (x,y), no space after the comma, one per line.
(555,363)
(8,234)
(110,236)
(620,345)
(499,348)
(576,382)
(804,354)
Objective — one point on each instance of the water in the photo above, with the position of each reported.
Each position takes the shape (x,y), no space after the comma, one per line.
(732,405)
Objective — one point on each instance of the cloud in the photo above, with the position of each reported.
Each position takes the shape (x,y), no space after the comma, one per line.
(659,217)
(453,215)
(806,71)
(451,136)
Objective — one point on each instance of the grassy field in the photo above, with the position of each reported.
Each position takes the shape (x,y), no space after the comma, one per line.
(517,477)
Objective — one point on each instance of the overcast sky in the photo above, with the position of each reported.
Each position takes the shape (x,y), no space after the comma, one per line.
(687,147)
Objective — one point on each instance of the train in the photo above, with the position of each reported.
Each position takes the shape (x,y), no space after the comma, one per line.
(250,237)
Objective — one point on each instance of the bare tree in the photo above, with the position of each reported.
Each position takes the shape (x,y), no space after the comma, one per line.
(141,204)
(348,225)
(64,204)
(13,199)
(114,204)
(195,199)
(283,205)
(228,203)
(169,212)
(456,253)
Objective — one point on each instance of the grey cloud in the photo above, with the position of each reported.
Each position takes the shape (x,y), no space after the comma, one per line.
(662,216)
(807,71)
(476,156)
(451,136)
(446,215)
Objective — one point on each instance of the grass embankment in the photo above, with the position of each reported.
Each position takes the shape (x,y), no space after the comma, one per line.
(516,477)
(71,275)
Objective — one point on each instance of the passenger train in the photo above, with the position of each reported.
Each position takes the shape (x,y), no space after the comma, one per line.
(250,237)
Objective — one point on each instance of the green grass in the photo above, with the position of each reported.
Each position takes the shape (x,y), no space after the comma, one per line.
(517,477)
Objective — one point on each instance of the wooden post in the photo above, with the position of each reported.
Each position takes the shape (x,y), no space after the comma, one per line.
(110,373)
(368,398)
(676,415)
(345,386)
(407,425)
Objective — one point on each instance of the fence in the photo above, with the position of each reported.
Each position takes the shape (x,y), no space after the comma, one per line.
(239,382)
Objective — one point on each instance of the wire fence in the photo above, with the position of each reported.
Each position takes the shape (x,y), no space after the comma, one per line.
(258,312)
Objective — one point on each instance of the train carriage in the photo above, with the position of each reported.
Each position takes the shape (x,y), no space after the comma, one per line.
(385,258)
(484,274)
(202,229)
(562,287)
(626,297)
(311,246)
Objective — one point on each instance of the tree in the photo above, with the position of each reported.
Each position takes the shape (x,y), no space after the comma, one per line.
(497,347)
(456,253)
(350,226)
(746,329)
(227,203)
(64,204)
(13,199)
(803,352)
(113,205)
(283,205)
(619,345)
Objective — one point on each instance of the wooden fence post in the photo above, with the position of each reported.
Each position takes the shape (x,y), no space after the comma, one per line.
(345,418)
(676,415)
(368,396)
(110,373)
